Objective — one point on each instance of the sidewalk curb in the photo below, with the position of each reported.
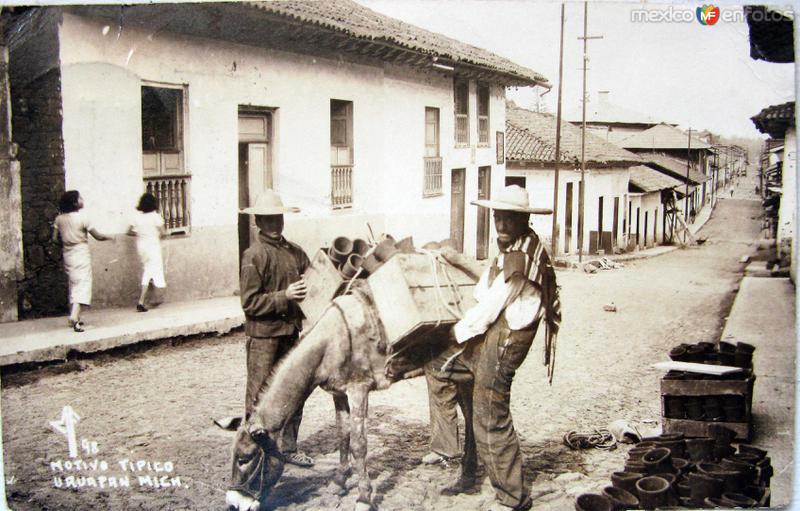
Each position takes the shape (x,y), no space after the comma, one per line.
(104,342)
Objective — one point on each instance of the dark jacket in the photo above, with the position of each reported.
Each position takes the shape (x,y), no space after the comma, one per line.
(268,267)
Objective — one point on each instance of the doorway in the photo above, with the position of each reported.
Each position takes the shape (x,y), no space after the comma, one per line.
(255,168)
(457,202)
(484,189)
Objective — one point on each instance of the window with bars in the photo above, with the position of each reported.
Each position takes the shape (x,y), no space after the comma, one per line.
(432,162)
(483,114)
(461,94)
(163,167)
(341,154)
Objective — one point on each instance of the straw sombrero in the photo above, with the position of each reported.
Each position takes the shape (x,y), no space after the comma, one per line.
(269,203)
(512,198)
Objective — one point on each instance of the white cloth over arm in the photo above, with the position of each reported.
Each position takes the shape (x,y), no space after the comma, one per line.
(520,313)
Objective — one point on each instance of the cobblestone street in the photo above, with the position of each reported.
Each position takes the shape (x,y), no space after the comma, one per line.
(157,405)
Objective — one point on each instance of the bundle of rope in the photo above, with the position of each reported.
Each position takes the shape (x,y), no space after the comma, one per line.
(600,439)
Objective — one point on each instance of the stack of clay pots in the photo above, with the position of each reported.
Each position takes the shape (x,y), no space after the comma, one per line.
(350,256)
(672,471)
(715,408)
(723,353)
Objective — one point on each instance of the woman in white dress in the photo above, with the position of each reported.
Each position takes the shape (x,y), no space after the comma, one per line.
(148,227)
(73,227)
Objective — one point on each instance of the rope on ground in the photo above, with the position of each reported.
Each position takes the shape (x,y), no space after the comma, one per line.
(600,439)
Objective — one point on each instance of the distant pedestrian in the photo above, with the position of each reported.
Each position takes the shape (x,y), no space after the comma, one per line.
(148,227)
(731,192)
(72,227)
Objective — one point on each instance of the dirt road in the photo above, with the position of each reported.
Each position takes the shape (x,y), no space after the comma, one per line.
(157,405)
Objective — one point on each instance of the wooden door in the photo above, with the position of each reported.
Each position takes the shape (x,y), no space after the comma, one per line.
(484,189)
(600,216)
(255,169)
(645,228)
(568,219)
(457,202)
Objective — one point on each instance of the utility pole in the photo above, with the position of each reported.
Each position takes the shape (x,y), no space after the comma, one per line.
(583,127)
(555,234)
(688,166)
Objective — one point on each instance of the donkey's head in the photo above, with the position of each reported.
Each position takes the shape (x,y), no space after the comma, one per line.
(258,463)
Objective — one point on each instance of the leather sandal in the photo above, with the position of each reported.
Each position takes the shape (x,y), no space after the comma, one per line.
(299,458)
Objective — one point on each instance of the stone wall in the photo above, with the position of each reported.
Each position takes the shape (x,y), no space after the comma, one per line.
(36,128)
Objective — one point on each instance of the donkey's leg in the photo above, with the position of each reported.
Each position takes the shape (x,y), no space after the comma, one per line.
(359,397)
(343,427)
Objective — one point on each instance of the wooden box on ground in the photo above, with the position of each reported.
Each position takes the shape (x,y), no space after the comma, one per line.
(701,388)
(322,281)
(412,307)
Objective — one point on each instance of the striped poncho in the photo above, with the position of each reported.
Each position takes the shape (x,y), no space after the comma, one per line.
(539,270)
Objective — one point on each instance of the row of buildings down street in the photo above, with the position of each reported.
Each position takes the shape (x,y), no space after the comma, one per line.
(367,123)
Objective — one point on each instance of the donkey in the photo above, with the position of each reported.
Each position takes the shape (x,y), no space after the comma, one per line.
(345,353)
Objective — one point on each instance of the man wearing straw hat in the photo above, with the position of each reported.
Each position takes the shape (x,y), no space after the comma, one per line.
(491,341)
(271,284)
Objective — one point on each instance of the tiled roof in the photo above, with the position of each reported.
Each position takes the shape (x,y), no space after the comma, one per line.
(775,119)
(356,21)
(674,167)
(662,137)
(650,180)
(531,137)
(603,111)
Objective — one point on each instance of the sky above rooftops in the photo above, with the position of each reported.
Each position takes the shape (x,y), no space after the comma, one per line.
(698,76)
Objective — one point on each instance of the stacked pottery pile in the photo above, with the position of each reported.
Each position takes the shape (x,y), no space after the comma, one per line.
(357,258)
(714,408)
(672,471)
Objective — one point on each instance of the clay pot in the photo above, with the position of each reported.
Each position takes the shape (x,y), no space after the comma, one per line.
(635,466)
(684,489)
(694,408)
(385,250)
(680,464)
(637,454)
(744,360)
(735,413)
(626,481)
(360,247)
(743,347)
(351,266)
(678,353)
(707,347)
(700,449)
(371,263)
(721,434)
(673,407)
(712,408)
(703,486)
(747,470)
(722,451)
(593,502)
(738,500)
(727,359)
(621,499)
(405,245)
(695,353)
(657,460)
(653,492)
(714,502)
(677,448)
(760,454)
(341,248)
(757,493)
(732,480)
